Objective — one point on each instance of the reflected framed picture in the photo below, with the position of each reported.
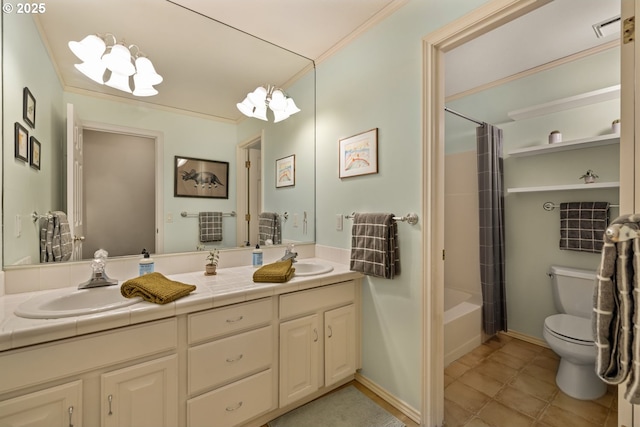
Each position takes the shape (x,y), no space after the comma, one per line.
(34,159)
(21,143)
(29,108)
(359,154)
(201,178)
(286,171)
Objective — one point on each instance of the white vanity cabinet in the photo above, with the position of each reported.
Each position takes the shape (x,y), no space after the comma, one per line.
(318,339)
(59,406)
(230,364)
(142,395)
(68,382)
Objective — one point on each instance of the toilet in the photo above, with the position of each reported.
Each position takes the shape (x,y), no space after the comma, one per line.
(569,334)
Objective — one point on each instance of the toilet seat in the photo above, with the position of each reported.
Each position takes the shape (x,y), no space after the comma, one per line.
(570,328)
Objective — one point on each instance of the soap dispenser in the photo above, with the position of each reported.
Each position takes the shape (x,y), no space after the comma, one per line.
(257,256)
(146,263)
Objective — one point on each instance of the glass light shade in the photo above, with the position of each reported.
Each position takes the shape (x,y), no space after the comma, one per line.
(119,81)
(278,101)
(119,60)
(279,115)
(142,87)
(258,96)
(246,107)
(144,69)
(94,70)
(88,49)
(291,108)
(261,113)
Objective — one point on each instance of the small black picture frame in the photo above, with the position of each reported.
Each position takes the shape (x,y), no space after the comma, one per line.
(35,148)
(21,142)
(29,108)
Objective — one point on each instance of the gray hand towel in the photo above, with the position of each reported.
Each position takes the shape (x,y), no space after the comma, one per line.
(374,245)
(616,314)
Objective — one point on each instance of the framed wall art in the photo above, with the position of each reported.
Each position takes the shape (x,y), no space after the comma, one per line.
(29,108)
(359,154)
(21,143)
(34,159)
(286,171)
(201,178)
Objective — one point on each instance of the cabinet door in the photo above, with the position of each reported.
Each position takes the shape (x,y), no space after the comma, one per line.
(143,395)
(54,407)
(299,348)
(340,344)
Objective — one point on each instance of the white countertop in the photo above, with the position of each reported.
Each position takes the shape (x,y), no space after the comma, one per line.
(229,286)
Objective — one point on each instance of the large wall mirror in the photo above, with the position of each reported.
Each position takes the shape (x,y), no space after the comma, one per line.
(135,149)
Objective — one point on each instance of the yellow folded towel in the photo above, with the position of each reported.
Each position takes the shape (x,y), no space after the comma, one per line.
(277,272)
(156,288)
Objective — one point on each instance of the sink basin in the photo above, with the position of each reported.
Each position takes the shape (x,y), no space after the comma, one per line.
(311,268)
(78,302)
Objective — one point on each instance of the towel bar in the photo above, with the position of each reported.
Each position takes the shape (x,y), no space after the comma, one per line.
(184,214)
(35,216)
(411,218)
(549,206)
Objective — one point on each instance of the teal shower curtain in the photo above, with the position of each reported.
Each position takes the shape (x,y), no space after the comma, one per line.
(491,213)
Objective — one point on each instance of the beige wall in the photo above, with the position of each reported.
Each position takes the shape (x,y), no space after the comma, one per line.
(462,262)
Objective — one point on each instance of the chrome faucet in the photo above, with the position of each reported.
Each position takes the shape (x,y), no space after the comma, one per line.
(289,253)
(99,277)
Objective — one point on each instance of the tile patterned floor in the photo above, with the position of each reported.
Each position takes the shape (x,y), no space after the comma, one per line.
(507,382)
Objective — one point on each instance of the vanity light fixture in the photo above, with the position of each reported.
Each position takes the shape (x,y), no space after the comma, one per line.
(98,57)
(256,103)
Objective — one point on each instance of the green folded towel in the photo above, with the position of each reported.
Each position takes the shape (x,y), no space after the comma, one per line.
(277,272)
(156,288)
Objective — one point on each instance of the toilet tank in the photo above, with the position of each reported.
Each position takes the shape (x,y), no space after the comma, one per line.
(573,290)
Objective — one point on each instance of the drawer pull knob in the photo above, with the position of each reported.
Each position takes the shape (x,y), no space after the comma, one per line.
(234,408)
(330,331)
(110,399)
(70,416)
(235,359)
(237,319)
(315,331)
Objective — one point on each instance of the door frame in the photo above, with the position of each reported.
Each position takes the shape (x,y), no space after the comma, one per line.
(434,45)
(241,183)
(158,138)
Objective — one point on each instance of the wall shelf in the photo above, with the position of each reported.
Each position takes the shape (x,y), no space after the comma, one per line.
(575,144)
(597,185)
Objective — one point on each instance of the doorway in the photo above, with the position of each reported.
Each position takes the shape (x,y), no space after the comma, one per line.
(119,212)
(249,178)
(123,206)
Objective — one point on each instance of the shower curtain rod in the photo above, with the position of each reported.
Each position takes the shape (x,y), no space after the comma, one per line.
(463,116)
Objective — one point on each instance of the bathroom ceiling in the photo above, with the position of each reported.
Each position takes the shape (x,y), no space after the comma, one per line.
(206,71)
(553,31)
(209,52)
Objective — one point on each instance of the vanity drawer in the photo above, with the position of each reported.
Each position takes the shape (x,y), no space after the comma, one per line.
(304,302)
(233,404)
(218,362)
(223,321)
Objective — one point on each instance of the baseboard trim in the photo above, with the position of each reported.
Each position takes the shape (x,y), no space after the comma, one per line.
(527,338)
(401,406)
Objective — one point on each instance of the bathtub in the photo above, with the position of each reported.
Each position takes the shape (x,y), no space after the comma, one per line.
(462,323)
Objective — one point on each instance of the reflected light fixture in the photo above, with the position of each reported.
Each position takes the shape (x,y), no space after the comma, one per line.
(113,64)
(256,103)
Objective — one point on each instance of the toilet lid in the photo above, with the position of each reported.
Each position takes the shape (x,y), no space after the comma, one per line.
(573,327)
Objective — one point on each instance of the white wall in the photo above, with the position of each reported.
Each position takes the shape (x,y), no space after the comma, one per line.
(375,82)
(25,64)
